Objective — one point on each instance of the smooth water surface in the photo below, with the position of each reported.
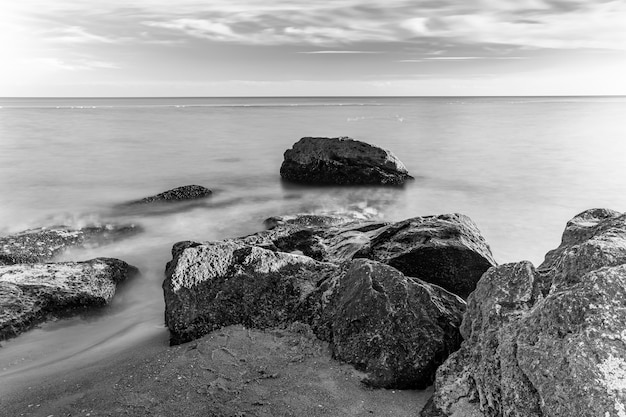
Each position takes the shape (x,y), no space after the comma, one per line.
(519,167)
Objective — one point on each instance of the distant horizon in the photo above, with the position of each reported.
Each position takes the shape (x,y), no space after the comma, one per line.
(321,96)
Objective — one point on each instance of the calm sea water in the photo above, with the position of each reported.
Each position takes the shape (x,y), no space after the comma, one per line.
(519,167)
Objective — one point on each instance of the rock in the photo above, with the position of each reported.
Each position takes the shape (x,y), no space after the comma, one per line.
(31,293)
(549,341)
(212,285)
(341,161)
(184,193)
(396,329)
(43,244)
(447,250)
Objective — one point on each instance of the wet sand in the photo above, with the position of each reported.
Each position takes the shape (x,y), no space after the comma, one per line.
(231,372)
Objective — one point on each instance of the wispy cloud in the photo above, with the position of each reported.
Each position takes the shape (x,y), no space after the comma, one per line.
(75,34)
(461,58)
(339,52)
(75,65)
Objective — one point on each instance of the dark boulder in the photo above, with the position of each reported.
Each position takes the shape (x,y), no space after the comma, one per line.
(43,244)
(32,293)
(341,161)
(396,329)
(447,250)
(548,341)
(212,285)
(184,193)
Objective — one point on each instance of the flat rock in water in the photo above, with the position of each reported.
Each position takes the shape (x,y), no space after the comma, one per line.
(43,244)
(341,161)
(184,193)
(548,341)
(31,293)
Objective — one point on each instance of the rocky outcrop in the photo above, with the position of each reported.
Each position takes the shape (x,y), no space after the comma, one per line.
(310,268)
(394,328)
(341,161)
(43,244)
(549,341)
(447,250)
(32,293)
(213,285)
(186,192)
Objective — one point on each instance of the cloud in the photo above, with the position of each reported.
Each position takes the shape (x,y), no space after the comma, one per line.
(75,65)
(461,58)
(340,52)
(75,34)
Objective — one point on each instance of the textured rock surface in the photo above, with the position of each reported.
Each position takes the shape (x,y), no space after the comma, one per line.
(186,192)
(213,285)
(342,161)
(30,293)
(549,341)
(394,328)
(40,245)
(447,250)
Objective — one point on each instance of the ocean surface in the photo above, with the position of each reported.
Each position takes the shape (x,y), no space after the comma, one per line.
(520,167)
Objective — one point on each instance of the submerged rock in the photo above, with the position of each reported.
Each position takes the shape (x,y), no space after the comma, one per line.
(184,193)
(548,341)
(43,244)
(342,161)
(31,293)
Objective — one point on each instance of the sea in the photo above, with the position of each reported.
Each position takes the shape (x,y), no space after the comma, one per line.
(520,167)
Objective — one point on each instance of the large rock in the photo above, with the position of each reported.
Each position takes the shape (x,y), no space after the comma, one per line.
(342,161)
(447,250)
(549,341)
(213,285)
(396,329)
(31,293)
(43,244)
(184,193)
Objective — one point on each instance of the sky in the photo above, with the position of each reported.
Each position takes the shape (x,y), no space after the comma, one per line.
(146,48)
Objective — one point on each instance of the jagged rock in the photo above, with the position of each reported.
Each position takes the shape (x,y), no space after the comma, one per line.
(186,192)
(42,244)
(549,341)
(342,161)
(31,293)
(394,328)
(447,250)
(212,285)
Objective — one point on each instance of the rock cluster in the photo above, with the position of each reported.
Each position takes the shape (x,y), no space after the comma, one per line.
(546,341)
(31,293)
(342,161)
(394,327)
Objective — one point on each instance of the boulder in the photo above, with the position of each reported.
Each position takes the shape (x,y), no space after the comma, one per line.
(396,329)
(43,244)
(212,285)
(546,341)
(447,250)
(32,293)
(341,161)
(184,193)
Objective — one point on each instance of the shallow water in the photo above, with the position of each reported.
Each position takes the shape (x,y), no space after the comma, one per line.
(519,167)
